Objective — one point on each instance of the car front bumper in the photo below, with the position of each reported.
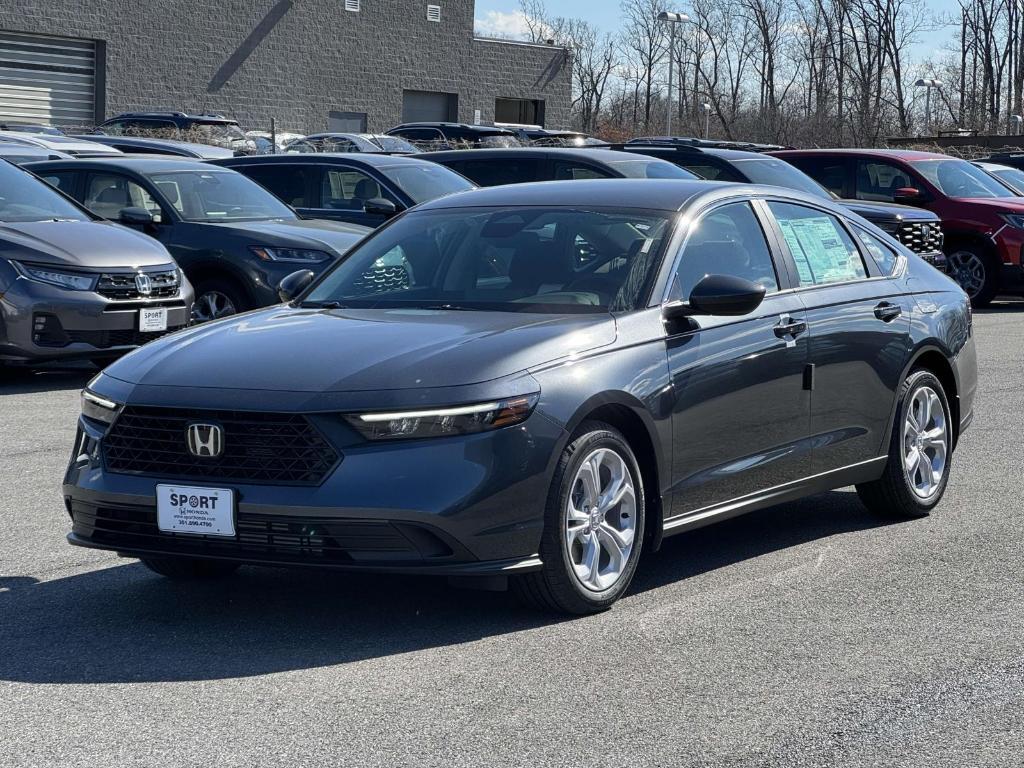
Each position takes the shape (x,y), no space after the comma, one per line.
(465,505)
(40,322)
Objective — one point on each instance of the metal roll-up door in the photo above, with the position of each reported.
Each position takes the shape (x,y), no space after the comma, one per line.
(49,80)
(429,106)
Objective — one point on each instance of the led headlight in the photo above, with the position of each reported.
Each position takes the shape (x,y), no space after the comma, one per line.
(441,422)
(98,408)
(73,281)
(297,255)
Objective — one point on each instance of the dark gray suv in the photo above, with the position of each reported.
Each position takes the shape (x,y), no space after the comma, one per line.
(73,285)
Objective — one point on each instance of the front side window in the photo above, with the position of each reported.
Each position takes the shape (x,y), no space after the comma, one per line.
(549,260)
(425,181)
(212,196)
(347,189)
(879,181)
(107,194)
(727,240)
(958,178)
(823,250)
(23,197)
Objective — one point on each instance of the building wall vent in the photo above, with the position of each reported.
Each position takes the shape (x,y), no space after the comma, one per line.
(434,13)
(352,5)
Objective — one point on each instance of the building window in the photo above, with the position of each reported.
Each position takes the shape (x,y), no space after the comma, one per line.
(434,13)
(352,5)
(346,122)
(522,111)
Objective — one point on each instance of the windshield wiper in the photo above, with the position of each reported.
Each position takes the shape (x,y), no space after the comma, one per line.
(322,305)
(450,307)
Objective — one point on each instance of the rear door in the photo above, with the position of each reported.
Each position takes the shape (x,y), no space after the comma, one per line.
(859,331)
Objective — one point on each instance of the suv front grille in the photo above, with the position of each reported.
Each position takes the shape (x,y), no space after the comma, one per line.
(279,448)
(121,286)
(921,237)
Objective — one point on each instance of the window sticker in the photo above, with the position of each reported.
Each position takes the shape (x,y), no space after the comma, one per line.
(819,251)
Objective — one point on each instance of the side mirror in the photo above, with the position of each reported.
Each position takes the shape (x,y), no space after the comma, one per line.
(380,207)
(136,217)
(294,284)
(907,195)
(724,295)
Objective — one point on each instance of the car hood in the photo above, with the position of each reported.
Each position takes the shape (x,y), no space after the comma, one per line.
(84,244)
(875,211)
(996,204)
(315,350)
(299,233)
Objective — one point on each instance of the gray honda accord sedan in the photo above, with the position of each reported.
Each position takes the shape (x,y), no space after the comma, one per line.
(532,384)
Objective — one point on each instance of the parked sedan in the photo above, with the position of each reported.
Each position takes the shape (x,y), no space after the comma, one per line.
(1009,175)
(365,189)
(74,286)
(234,240)
(493,167)
(551,379)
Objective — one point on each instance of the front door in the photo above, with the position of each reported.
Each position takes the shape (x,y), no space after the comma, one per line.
(740,420)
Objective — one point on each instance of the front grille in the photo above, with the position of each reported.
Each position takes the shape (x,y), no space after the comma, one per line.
(121,286)
(120,338)
(921,237)
(269,537)
(279,448)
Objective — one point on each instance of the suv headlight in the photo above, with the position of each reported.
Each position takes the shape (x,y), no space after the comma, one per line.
(98,408)
(298,255)
(1014,219)
(442,422)
(73,281)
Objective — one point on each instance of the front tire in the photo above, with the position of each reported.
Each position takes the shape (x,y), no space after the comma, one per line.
(920,450)
(190,568)
(216,299)
(593,526)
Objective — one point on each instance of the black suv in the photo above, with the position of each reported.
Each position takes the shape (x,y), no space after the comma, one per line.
(212,129)
(455,135)
(234,240)
(361,188)
(918,229)
(495,167)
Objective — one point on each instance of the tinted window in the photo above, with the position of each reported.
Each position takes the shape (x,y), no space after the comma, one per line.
(766,170)
(827,171)
(712,172)
(822,249)
(526,259)
(650,169)
(879,181)
(493,173)
(210,196)
(1011,176)
(107,194)
(725,241)
(569,170)
(62,180)
(884,255)
(425,181)
(287,182)
(348,189)
(958,178)
(23,197)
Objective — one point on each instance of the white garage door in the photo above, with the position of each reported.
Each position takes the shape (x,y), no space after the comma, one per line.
(50,80)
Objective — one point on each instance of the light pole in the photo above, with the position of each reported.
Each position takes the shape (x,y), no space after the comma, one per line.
(672,19)
(707,119)
(928,83)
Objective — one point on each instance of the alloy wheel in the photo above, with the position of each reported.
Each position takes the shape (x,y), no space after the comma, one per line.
(600,520)
(212,305)
(968,269)
(925,442)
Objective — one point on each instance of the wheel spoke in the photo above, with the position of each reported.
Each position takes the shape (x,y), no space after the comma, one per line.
(913,463)
(935,438)
(592,561)
(590,477)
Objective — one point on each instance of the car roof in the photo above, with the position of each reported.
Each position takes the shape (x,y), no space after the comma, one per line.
(581,153)
(210,118)
(683,150)
(896,154)
(459,126)
(139,163)
(371,159)
(649,194)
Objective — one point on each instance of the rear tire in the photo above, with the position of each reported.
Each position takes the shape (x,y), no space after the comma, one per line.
(920,451)
(593,526)
(190,568)
(976,272)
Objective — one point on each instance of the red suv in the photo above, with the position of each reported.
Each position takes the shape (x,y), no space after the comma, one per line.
(983,220)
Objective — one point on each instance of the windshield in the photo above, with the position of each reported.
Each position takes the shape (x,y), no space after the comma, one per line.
(549,260)
(1014,177)
(958,178)
(23,197)
(425,181)
(650,169)
(763,170)
(394,144)
(218,196)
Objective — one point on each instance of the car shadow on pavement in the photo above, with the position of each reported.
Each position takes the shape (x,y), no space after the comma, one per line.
(123,624)
(24,381)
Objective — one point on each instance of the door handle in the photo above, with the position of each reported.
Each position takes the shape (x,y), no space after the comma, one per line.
(888,312)
(787,326)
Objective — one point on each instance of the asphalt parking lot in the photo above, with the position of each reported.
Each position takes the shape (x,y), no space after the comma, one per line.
(811,634)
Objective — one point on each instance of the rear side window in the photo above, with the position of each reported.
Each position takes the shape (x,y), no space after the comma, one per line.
(62,180)
(827,171)
(885,256)
(823,250)
(567,170)
(712,172)
(487,173)
(287,183)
